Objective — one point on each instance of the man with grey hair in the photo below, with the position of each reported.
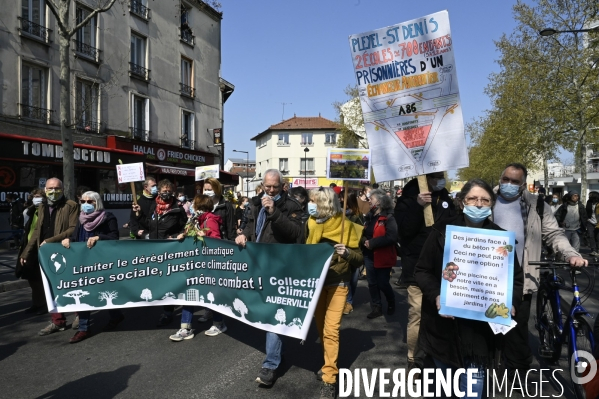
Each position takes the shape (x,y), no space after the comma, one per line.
(57,219)
(275,217)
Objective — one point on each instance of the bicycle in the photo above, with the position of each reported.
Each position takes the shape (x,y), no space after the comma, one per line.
(553,330)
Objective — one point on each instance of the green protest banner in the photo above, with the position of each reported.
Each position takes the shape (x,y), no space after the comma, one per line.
(273,287)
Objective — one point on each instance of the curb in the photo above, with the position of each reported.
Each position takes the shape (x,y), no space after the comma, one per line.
(14,285)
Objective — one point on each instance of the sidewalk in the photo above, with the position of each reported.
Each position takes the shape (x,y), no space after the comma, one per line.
(8,281)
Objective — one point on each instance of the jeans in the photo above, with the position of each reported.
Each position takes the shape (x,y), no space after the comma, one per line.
(591,233)
(274,347)
(378,280)
(187,316)
(353,286)
(478,379)
(573,238)
(84,317)
(328,313)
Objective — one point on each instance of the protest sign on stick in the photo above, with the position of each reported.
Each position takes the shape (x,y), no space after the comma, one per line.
(130,173)
(478,274)
(408,89)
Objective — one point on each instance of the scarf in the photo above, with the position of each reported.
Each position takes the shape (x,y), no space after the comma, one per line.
(90,221)
(260,223)
(330,230)
(163,207)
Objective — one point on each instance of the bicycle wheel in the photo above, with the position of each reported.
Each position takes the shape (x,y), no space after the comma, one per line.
(583,343)
(550,346)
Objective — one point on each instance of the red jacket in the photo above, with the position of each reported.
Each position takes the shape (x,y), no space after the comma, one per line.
(384,256)
(212,222)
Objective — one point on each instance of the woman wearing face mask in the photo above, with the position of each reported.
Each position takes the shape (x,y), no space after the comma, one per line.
(363,204)
(184,202)
(324,226)
(94,224)
(378,246)
(166,220)
(30,271)
(456,342)
(223,209)
(239,211)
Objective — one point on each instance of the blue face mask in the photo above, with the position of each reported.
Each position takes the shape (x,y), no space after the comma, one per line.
(509,190)
(276,197)
(87,208)
(312,209)
(154,190)
(476,214)
(554,200)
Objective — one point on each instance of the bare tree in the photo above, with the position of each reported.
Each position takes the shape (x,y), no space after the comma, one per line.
(66,30)
(76,295)
(108,296)
(239,306)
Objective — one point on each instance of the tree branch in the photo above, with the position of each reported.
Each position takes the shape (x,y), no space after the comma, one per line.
(91,15)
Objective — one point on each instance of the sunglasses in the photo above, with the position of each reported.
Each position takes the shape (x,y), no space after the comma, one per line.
(87,201)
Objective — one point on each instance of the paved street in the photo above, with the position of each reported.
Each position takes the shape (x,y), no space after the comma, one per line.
(138,360)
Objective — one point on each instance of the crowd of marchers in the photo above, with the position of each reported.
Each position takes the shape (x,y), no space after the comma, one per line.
(377,227)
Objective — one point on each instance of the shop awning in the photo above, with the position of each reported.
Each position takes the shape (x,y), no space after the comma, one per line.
(225,178)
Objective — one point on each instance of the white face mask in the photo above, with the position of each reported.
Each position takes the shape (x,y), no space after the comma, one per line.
(37,201)
(209,193)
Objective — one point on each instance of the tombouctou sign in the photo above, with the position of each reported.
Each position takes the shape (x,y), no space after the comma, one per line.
(273,287)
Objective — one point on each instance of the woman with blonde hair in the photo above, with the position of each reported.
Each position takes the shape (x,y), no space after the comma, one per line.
(324,226)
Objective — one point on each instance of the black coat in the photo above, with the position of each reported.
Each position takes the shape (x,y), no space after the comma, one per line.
(31,270)
(169,225)
(16,213)
(560,215)
(226,211)
(409,215)
(439,336)
(390,237)
(284,225)
(107,230)
(140,222)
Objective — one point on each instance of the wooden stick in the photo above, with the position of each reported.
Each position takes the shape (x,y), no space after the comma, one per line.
(344,208)
(429,220)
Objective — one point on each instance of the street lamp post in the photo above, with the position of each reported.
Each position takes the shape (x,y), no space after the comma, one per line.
(306,151)
(583,153)
(247,162)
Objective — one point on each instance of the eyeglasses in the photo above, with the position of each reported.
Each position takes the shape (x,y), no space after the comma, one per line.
(87,201)
(476,201)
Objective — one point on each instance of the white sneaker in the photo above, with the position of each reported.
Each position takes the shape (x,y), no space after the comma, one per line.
(182,334)
(215,330)
(206,316)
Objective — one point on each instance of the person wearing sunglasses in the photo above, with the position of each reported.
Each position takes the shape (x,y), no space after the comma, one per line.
(94,224)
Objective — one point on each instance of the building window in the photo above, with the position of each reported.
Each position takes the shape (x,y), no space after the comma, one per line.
(186,32)
(307,165)
(33,19)
(34,93)
(137,65)
(187,129)
(139,7)
(85,42)
(187,77)
(86,107)
(140,117)
(330,138)
(306,138)
(283,139)
(284,164)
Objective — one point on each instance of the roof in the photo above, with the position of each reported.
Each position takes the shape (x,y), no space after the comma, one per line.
(301,123)
(241,160)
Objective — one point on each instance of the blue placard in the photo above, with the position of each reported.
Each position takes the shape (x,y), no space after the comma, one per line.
(481,288)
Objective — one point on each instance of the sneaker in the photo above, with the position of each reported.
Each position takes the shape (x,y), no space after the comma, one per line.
(348,308)
(164,320)
(52,328)
(80,336)
(266,376)
(184,333)
(216,329)
(75,325)
(113,323)
(206,316)
(594,253)
(376,312)
(327,390)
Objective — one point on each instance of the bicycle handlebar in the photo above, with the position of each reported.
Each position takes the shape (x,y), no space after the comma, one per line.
(546,264)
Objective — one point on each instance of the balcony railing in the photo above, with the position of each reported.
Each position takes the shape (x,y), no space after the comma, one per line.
(187,90)
(88,127)
(140,71)
(187,144)
(31,112)
(187,36)
(138,8)
(87,50)
(33,29)
(139,134)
